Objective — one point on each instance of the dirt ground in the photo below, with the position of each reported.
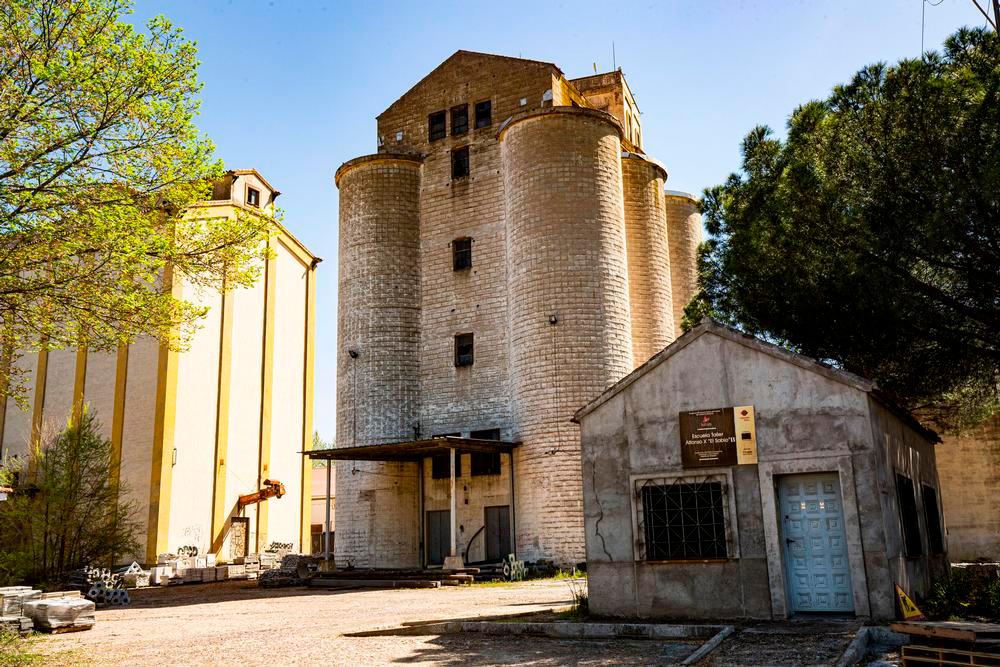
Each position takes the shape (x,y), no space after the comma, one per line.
(237,623)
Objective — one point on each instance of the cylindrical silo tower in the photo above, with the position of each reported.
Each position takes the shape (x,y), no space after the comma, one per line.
(568,300)
(378,348)
(684,231)
(648,256)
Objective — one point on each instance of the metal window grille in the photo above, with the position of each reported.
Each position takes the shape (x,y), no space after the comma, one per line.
(460,119)
(436,126)
(682,519)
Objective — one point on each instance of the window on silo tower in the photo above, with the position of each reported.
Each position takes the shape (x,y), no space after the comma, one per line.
(464,350)
(461,254)
(460,162)
(436,126)
(460,119)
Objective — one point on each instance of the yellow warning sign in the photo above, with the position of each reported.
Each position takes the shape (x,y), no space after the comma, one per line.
(910,611)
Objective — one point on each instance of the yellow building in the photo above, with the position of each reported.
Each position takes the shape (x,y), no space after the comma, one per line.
(191,431)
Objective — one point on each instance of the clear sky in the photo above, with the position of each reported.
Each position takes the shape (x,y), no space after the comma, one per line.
(292,87)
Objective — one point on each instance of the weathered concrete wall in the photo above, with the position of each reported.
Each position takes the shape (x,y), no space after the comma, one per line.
(807,421)
(900,450)
(969,469)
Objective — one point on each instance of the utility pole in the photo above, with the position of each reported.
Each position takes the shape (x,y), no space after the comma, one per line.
(996,12)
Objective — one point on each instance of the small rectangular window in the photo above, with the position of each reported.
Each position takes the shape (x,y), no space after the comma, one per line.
(935,537)
(905,495)
(485,463)
(253,197)
(436,126)
(464,350)
(461,254)
(487,434)
(460,162)
(460,119)
(683,520)
(484,114)
(441,466)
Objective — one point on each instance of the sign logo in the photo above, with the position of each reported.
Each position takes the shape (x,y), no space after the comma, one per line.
(719,437)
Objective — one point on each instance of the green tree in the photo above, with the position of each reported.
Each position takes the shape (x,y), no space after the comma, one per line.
(100,162)
(66,510)
(870,237)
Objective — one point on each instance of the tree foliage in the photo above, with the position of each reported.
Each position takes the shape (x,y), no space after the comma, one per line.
(870,237)
(66,510)
(100,163)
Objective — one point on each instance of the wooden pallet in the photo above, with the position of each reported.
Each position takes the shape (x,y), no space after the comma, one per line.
(915,655)
(951,630)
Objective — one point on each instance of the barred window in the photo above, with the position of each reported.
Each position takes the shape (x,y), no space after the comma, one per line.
(683,519)
(436,126)
(460,119)
(464,349)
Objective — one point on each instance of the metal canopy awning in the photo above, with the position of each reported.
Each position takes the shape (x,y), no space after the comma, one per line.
(412,450)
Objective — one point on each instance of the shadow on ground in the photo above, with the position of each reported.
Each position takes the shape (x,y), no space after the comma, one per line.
(477,649)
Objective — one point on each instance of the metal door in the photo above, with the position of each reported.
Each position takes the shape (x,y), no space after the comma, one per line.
(819,577)
(497,532)
(438,536)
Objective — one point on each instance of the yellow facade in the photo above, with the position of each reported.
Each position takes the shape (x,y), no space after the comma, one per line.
(191,431)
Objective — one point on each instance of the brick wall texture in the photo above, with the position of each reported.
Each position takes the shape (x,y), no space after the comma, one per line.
(969,473)
(561,226)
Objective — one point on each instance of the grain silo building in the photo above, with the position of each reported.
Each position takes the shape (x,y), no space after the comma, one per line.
(192,431)
(506,255)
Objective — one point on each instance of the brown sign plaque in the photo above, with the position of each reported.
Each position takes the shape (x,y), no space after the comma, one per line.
(708,438)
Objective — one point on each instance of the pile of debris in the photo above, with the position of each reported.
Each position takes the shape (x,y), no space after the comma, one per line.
(23,609)
(289,573)
(104,586)
(186,566)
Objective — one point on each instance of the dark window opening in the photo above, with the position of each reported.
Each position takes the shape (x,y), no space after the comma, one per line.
(484,114)
(487,434)
(253,197)
(441,466)
(464,350)
(485,463)
(935,538)
(436,126)
(684,520)
(460,119)
(461,254)
(460,162)
(905,495)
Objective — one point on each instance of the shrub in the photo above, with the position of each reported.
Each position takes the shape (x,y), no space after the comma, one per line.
(66,510)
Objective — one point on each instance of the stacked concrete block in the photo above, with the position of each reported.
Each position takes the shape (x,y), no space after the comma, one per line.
(61,614)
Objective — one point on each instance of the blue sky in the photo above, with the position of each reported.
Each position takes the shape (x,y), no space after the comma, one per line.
(292,87)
